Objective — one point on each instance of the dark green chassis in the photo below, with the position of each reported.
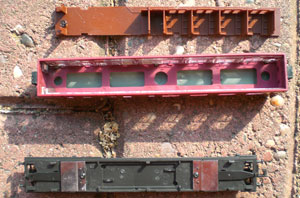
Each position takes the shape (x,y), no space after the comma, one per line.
(238,173)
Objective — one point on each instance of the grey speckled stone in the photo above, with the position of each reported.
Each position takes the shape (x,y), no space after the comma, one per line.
(27,40)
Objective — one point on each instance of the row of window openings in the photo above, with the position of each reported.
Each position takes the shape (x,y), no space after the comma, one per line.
(184,78)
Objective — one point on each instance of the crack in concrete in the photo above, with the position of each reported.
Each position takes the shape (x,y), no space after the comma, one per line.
(296,166)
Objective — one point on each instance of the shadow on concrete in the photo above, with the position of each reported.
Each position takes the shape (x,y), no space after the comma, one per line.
(55,41)
(185,119)
(47,121)
(141,119)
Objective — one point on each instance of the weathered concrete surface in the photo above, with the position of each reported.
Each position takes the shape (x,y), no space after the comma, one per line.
(149,127)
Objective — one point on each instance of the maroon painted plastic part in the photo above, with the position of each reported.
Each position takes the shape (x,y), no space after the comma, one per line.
(272,65)
(74,21)
(205,175)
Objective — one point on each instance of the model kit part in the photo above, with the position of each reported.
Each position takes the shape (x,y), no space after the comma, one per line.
(74,21)
(238,173)
(167,76)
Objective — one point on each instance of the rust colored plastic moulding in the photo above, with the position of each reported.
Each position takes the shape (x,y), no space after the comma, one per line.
(74,21)
(167,76)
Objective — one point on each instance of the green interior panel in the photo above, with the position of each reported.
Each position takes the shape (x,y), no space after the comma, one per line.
(84,80)
(194,77)
(238,76)
(127,79)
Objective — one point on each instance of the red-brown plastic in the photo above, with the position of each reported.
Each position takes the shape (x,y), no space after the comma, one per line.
(167,21)
(205,175)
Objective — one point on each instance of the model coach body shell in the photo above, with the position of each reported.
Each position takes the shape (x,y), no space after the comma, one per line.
(211,66)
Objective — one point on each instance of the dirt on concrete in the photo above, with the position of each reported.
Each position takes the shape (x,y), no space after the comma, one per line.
(148,127)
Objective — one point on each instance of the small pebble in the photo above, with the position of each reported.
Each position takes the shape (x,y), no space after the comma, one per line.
(280,155)
(167,149)
(270,143)
(157,155)
(268,156)
(179,50)
(2,59)
(27,40)
(188,3)
(215,48)
(284,129)
(267,180)
(18,29)
(277,44)
(277,140)
(178,106)
(17,72)
(249,1)
(277,101)
(81,46)
(220,3)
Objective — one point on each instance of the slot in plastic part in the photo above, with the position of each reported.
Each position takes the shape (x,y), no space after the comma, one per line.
(84,80)
(91,174)
(74,21)
(162,75)
(194,77)
(238,76)
(127,79)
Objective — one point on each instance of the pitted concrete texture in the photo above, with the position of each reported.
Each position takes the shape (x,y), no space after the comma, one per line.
(149,127)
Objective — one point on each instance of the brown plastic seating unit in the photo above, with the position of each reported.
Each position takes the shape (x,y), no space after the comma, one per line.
(109,21)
